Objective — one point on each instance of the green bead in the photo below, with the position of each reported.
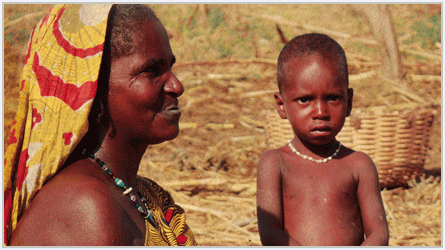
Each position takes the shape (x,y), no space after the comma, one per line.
(119,182)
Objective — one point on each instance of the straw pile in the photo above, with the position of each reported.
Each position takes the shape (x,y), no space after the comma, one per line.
(414,214)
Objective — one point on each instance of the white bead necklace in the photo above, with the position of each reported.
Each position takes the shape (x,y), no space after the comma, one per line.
(312,159)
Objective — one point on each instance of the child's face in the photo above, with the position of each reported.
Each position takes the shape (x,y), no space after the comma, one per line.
(315,99)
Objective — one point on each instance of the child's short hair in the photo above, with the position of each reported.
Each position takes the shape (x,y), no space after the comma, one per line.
(307,44)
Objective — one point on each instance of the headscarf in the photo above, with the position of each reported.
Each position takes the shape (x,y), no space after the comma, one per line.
(57,87)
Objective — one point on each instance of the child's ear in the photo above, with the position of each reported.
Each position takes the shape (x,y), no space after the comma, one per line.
(280,105)
(350,96)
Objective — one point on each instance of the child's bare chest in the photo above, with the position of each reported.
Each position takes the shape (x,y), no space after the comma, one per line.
(318,186)
(320,197)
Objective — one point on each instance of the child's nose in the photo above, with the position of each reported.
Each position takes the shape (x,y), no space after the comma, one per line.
(173,85)
(321,109)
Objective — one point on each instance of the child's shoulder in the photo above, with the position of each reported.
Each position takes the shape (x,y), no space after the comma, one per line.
(272,157)
(358,159)
(356,155)
(273,154)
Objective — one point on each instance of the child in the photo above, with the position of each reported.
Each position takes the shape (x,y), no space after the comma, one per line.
(314,191)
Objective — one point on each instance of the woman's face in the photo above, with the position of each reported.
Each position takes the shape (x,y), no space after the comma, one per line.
(143,91)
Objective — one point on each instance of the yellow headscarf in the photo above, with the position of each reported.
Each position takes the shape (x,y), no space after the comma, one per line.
(57,87)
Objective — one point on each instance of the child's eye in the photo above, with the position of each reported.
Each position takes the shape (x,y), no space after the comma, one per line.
(334,98)
(303,100)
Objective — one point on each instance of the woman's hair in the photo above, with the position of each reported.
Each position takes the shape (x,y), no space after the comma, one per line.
(125,21)
(307,44)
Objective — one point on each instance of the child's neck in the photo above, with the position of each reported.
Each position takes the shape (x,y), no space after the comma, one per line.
(322,150)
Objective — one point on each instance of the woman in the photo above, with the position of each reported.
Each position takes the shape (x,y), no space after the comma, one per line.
(106,70)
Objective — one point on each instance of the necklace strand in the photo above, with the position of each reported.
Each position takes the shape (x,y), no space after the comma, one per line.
(127,190)
(312,159)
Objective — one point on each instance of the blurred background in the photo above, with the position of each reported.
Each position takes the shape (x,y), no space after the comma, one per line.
(226,58)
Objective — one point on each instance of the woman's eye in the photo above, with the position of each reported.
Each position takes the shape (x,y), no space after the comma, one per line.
(152,70)
(155,69)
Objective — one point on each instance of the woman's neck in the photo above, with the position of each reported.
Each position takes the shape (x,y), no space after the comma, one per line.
(122,157)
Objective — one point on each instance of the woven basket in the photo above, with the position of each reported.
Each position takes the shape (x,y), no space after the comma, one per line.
(396,138)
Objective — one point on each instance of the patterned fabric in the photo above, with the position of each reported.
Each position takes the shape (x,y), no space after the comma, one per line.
(168,227)
(57,87)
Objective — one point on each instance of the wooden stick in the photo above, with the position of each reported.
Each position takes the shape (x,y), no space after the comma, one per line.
(428,78)
(361,76)
(245,222)
(401,90)
(423,54)
(217,126)
(24,18)
(243,138)
(248,126)
(280,20)
(195,182)
(223,76)
(216,213)
(185,125)
(257,93)
(228,61)
(253,122)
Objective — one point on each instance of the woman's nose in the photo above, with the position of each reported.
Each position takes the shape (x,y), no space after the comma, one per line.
(173,85)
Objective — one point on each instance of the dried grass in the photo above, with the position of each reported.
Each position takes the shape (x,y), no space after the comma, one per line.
(414,214)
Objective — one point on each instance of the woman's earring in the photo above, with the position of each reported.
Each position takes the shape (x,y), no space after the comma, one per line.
(281,107)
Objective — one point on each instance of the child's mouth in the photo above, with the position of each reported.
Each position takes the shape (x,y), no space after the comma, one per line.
(321,131)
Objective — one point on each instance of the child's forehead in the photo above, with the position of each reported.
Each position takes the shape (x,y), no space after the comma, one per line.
(306,68)
(303,59)
(312,64)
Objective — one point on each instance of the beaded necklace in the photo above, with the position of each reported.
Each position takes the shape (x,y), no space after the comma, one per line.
(146,213)
(312,159)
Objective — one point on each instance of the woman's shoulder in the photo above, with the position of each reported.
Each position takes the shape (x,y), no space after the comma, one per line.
(73,207)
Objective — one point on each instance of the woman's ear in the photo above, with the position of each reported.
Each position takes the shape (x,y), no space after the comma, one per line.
(280,105)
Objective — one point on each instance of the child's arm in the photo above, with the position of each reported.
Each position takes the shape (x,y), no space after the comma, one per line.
(269,202)
(371,205)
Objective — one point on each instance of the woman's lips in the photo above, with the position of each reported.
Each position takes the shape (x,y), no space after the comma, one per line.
(172,110)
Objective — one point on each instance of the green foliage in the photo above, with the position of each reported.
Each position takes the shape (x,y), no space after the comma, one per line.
(225,51)
(17,37)
(17,14)
(427,32)
(216,17)
(364,49)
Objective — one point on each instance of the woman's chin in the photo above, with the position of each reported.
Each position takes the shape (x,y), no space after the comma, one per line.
(169,135)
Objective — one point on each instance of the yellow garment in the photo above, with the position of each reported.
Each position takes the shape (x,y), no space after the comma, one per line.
(169,227)
(58,84)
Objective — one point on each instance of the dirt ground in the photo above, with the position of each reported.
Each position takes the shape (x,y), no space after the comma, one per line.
(226,59)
